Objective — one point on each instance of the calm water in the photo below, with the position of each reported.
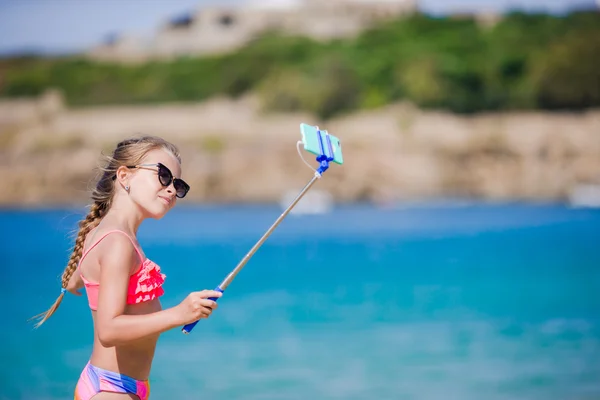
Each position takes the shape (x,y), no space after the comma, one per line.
(477,302)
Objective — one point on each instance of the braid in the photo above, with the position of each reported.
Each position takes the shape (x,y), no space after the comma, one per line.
(85,226)
(97,211)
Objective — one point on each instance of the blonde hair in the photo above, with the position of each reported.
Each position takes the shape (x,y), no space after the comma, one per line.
(128,152)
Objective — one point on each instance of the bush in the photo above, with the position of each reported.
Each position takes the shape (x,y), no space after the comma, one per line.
(568,75)
(325,88)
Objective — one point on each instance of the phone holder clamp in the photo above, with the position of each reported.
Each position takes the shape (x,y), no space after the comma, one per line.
(326,155)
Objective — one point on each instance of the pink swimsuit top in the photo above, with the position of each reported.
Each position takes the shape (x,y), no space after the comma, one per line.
(144,285)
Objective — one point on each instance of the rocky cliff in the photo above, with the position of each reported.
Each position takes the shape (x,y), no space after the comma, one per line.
(234,152)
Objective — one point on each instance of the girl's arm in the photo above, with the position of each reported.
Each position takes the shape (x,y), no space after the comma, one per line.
(118,261)
(75,283)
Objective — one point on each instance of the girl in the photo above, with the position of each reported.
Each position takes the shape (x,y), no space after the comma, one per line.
(140,180)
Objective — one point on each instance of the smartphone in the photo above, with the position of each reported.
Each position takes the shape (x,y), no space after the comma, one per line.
(312,144)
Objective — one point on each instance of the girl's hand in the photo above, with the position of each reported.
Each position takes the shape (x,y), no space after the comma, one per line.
(196,306)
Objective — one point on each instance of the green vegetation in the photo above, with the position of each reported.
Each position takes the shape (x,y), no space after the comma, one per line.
(522,62)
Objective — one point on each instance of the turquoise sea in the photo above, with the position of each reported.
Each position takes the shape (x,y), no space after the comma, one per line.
(440,301)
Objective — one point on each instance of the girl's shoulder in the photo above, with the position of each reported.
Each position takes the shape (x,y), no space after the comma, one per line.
(113,242)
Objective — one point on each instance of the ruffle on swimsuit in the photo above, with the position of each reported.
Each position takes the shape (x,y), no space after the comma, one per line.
(147,284)
(144,285)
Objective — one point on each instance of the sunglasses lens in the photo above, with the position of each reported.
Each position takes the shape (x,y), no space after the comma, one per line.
(181,188)
(164,176)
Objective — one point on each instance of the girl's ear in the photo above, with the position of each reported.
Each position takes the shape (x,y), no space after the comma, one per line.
(123,174)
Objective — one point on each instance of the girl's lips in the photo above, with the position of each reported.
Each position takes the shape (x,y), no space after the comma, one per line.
(165,199)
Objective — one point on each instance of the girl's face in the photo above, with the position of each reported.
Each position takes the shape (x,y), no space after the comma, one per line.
(156,183)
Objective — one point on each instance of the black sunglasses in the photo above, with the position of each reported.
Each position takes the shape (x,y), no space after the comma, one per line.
(165,177)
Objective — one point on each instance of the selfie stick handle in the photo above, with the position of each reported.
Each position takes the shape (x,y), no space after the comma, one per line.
(324,165)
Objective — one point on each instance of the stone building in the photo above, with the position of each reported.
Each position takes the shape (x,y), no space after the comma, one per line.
(219,29)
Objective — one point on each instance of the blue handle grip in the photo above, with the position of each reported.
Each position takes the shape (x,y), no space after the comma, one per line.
(188,328)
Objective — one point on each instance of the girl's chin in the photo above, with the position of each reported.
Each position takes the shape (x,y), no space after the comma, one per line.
(158,210)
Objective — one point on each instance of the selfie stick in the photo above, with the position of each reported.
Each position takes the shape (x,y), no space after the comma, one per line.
(324,158)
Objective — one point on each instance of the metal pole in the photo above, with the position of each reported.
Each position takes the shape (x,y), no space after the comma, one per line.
(188,328)
(253,250)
